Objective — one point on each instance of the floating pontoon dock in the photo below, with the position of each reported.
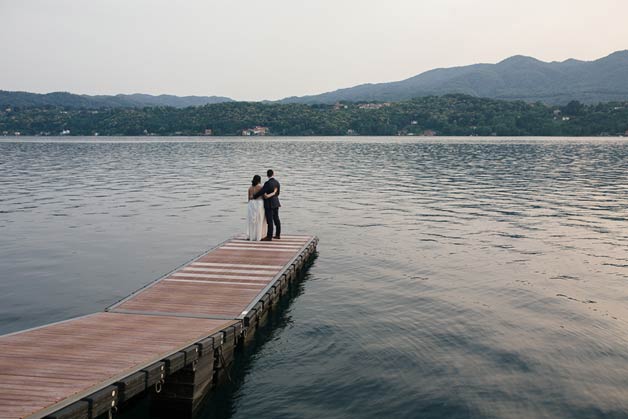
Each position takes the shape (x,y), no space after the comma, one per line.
(174,337)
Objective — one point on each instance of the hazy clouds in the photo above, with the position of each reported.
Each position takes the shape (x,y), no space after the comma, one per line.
(254,49)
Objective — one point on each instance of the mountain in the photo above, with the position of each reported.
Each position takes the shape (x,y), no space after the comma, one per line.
(515,78)
(73,101)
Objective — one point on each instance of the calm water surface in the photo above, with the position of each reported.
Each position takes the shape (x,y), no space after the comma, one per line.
(456,278)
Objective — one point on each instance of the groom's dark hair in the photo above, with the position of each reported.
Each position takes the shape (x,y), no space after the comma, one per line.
(270,172)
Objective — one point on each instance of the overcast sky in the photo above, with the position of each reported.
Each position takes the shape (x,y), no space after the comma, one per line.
(270,49)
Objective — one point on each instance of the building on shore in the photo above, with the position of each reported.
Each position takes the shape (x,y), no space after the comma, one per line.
(208,131)
(256,131)
(429,133)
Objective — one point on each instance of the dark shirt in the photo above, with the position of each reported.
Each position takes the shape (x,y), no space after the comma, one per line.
(268,188)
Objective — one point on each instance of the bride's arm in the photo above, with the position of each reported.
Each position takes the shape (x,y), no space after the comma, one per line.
(270,195)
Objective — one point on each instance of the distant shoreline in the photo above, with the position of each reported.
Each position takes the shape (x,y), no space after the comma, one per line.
(205,139)
(432,116)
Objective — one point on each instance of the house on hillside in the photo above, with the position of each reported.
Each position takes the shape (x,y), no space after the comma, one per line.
(373,105)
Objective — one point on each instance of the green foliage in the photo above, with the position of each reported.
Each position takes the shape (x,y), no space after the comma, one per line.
(445,115)
(573,108)
(73,101)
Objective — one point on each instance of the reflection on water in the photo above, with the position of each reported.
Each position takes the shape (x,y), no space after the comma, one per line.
(455,277)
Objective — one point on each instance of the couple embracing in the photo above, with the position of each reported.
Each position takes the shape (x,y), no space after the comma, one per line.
(263,209)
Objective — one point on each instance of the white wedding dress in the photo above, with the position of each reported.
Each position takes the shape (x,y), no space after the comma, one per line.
(256,220)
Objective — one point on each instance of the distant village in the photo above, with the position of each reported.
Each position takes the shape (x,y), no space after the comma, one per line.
(263,131)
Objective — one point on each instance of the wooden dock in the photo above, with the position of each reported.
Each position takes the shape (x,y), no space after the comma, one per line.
(174,337)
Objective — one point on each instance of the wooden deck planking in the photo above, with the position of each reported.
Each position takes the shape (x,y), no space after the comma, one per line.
(41,367)
(217,291)
(198,298)
(46,368)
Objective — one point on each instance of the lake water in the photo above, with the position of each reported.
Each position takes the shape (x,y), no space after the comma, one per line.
(457,278)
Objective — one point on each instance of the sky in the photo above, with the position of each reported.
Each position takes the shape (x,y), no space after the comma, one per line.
(271,49)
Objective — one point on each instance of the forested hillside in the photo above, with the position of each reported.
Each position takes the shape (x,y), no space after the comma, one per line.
(435,115)
(73,101)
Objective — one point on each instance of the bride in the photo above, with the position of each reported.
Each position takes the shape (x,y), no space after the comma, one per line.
(256,220)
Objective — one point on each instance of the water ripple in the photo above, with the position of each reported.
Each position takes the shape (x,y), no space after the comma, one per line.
(456,278)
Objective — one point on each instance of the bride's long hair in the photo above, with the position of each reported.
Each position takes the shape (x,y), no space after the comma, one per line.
(256,180)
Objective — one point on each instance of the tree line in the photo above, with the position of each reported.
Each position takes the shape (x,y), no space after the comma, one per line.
(449,115)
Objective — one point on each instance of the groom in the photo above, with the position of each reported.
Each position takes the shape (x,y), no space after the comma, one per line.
(271,205)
